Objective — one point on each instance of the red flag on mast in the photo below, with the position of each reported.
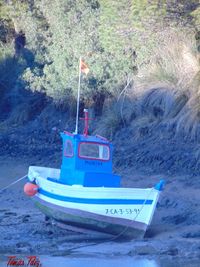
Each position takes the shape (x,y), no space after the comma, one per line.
(84,67)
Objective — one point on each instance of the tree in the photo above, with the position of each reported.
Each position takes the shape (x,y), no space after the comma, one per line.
(115,38)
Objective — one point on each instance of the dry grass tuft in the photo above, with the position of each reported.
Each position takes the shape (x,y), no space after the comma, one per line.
(110,122)
(168,88)
(20,115)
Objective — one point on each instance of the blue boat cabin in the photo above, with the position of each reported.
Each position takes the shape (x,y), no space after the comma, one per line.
(87,161)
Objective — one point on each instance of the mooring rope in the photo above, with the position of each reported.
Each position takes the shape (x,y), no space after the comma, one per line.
(21,178)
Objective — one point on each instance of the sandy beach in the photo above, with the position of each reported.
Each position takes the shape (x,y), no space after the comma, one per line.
(174,234)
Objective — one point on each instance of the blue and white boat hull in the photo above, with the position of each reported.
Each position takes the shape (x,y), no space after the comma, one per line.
(125,212)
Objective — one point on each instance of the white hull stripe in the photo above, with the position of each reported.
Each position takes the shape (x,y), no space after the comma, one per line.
(96,200)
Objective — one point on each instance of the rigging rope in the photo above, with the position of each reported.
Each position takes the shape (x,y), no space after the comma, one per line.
(23,177)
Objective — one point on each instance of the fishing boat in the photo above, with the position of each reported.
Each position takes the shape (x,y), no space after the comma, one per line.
(84,194)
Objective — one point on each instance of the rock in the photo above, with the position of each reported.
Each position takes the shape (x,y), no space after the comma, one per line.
(61,253)
(171,251)
(9,213)
(143,250)
(191,235)
(25,218)
(176,219)
(22,244)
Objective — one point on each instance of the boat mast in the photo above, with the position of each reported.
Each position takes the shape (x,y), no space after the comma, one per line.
(78,97)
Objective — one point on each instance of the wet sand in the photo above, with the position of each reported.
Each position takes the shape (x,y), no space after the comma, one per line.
(173,235)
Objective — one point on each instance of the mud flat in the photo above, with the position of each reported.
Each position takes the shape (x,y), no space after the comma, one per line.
(174,235)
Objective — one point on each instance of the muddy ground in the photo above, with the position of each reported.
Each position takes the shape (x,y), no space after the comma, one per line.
(173,234)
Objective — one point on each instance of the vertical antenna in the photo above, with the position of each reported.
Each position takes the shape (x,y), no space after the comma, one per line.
(78,97)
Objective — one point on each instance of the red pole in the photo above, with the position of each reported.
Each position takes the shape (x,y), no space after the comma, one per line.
(86,119)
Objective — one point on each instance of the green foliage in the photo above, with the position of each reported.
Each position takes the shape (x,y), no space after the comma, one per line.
(70,34)
(196,16)
(115,38)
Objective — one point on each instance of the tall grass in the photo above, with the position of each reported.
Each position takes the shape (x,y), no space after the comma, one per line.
(6,66)
(169,87)
(166,90)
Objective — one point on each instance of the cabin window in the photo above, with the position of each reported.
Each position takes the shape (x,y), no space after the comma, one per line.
(68,151)
(94,151)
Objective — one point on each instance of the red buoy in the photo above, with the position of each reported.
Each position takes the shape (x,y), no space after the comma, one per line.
(30,189)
